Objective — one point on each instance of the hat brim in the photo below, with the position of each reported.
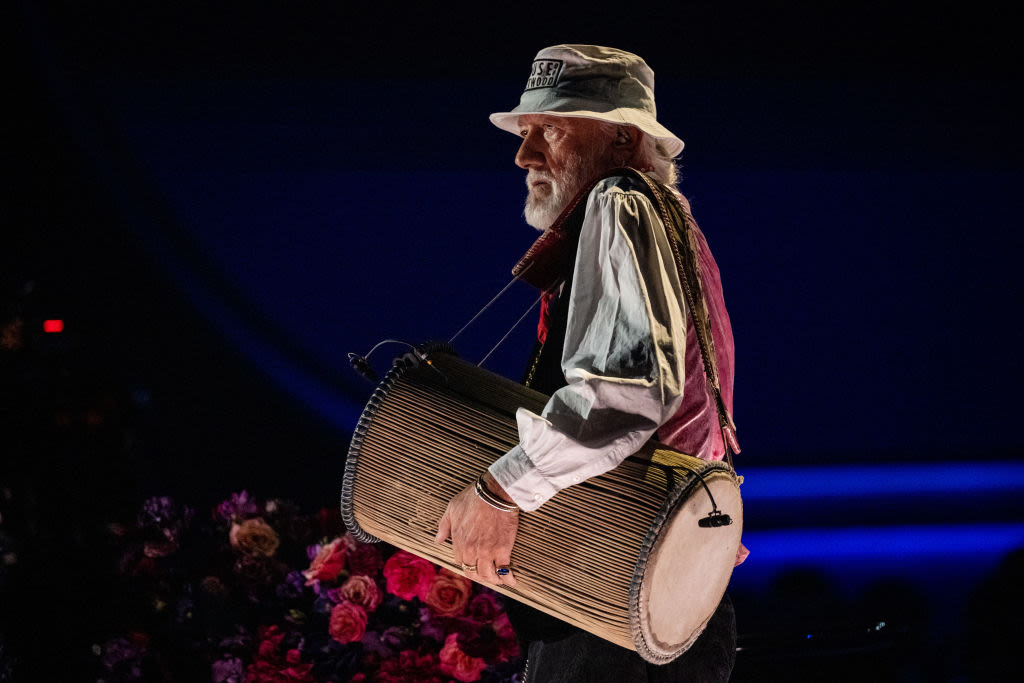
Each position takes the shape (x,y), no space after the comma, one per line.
(509,121)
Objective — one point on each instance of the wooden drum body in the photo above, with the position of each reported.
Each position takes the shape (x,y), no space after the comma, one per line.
(621,555)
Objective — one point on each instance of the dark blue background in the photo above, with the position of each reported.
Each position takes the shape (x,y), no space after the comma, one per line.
(228,200)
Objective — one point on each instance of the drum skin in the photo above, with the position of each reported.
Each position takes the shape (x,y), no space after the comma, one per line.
(621,555)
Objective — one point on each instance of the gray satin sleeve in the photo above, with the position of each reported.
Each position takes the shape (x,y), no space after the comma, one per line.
(623,355)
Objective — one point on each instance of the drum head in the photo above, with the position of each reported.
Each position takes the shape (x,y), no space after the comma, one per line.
(687,570)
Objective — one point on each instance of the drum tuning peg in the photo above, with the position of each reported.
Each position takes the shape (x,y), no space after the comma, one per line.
(361,365)
(715,519)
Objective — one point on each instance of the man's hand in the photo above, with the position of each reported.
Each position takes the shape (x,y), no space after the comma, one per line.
(481,535)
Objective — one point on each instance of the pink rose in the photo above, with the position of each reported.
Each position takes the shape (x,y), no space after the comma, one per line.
(449,594)
(348,622)
(408,576)
(458,664)
(507,641)
(503,627)
(327,564)
(361,590)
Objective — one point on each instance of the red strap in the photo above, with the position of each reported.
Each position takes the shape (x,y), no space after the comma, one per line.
(545,316)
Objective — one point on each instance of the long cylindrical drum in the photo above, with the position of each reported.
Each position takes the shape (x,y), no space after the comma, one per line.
(640,556)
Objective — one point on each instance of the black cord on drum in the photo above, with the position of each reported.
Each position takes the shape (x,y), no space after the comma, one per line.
(715,518)
(417,355)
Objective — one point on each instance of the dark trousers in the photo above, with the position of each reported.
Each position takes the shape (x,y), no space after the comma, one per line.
(559,653)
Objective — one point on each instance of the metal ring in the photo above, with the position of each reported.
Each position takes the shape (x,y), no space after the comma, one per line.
(468,567)
(503,570)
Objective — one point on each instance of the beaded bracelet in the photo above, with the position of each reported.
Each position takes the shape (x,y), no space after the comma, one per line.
(494,501)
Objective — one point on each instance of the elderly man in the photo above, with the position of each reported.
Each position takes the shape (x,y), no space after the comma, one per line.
(617,348)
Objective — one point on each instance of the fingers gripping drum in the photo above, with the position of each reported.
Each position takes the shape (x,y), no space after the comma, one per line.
(482,527)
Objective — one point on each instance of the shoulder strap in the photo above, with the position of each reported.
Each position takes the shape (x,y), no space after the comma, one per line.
(548,259)
(679,225)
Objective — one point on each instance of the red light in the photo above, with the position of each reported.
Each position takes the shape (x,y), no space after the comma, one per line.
(53,326)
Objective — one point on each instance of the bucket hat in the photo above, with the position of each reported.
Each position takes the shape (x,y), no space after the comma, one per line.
(592,82)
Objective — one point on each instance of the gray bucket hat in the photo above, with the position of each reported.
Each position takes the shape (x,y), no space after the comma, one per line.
(592,82)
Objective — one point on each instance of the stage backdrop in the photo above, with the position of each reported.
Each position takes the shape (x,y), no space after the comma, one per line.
(865,216)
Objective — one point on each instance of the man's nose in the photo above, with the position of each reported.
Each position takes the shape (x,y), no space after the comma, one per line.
(529,154)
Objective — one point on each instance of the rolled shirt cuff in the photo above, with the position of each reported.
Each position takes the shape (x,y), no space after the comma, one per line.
(521,479)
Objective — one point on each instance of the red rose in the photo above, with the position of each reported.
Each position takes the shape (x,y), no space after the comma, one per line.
(327,564)
(267,650)
(299,673)
(348,622)
(361,590)
(271,632)
(365,559)
(270,640)
(484,606)
(449,594)
(410,667)
(408,576)
(458,664)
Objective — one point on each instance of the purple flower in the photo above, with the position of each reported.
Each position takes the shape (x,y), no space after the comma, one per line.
(396,637)
(323,606)
(123,654)
(372,642)
(292,586)
(228,669)
(326,591)
(332,661)
(238,506)
(157,510)
(163,512)
(430,627)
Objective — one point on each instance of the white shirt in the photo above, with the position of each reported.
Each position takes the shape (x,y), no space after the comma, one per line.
(624,353)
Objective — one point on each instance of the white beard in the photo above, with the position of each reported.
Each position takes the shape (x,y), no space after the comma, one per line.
(545,203)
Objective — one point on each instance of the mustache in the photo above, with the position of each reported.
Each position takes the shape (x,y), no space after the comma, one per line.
(533,176)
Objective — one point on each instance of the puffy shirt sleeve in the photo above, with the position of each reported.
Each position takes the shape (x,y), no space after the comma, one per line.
(623,357)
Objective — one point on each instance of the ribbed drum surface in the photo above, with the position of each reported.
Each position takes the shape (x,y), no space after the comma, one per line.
(431,429)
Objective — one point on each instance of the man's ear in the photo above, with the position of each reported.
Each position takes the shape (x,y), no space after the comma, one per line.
(627,138)
(626,143)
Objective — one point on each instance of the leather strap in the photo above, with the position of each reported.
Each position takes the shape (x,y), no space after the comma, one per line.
(551,257)
(684,250)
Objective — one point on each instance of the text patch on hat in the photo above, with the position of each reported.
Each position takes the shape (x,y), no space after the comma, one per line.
(544,73)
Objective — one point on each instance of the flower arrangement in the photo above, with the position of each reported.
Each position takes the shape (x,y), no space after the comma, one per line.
(261,593)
